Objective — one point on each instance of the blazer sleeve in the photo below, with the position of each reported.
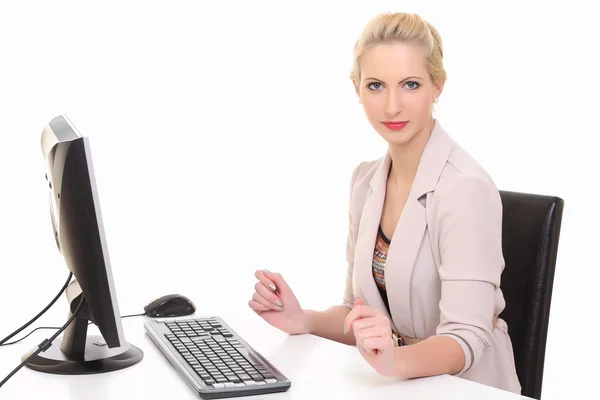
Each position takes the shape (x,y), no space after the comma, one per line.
(469,224)
(348,299)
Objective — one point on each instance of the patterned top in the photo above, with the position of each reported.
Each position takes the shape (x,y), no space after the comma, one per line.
(379,258)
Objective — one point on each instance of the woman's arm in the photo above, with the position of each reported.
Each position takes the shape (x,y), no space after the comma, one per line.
(329,324)
(469,220)
(436,355)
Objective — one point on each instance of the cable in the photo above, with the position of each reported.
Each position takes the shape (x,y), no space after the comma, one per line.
(40,313)
(24,337)
(56,327)
(46,343)
(133,315)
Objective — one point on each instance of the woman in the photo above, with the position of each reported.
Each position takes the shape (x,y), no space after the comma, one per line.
(424,245)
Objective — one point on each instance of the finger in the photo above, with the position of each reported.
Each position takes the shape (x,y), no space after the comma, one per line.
(362,349)
(359,302)
(257,307)
(380,321)
(278,280)
(265,280)
(269,296)
(377,344)
(259,299)
(372,332)
(363,323)
(358,313)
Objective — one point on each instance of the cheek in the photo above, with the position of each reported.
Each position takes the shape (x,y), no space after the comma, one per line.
(373,108)
(420,104)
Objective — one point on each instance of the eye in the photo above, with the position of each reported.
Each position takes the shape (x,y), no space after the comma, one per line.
(370,86)
(412,85)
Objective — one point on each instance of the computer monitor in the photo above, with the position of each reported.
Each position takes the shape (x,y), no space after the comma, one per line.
(79,233)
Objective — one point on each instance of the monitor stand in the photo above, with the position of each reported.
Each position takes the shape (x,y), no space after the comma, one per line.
(77,353)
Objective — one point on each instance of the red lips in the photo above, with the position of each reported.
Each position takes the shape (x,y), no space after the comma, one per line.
(395,125)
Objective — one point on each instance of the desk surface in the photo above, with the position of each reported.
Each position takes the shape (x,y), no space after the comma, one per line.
(318,369)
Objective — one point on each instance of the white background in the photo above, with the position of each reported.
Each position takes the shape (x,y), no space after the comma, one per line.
(224,137)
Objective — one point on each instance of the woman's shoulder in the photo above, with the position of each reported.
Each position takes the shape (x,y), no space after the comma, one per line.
(364,172)
(464,180)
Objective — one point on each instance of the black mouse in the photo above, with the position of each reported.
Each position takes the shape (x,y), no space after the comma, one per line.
(171,305)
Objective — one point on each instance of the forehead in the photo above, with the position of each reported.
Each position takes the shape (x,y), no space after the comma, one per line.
(394,61)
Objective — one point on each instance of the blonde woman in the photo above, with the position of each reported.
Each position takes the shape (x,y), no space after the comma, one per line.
(424,247)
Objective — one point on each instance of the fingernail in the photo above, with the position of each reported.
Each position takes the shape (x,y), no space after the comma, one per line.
(278,308)
(278,302)
(267,271)
(273,288)
(345,330)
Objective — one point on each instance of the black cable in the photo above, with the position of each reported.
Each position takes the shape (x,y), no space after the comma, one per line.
(56,327)
(40,313)
(133,315)
(24,337)
(46,343)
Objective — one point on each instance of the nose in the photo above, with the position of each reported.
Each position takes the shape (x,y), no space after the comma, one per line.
(392,103)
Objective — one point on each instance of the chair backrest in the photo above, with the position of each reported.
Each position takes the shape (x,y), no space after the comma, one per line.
(530,234)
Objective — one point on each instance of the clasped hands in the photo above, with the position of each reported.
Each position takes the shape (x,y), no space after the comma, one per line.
(373,334)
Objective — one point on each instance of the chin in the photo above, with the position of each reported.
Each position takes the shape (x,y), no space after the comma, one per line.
(396,138)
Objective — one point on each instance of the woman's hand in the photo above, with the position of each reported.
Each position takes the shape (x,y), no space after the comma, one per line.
(373,334)
(275,302)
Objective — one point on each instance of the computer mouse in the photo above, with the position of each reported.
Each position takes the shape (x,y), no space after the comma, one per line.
(168,306)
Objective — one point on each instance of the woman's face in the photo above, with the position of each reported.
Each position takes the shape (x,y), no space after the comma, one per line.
(396,91)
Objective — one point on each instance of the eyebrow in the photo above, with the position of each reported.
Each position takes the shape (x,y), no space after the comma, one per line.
(405,79)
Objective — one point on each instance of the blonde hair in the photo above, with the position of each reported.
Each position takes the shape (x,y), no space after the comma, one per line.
(404,27)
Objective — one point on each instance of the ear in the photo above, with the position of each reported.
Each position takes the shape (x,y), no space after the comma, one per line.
(356,87)
(439,88)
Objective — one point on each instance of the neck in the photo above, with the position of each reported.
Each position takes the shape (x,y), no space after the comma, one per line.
(406,157)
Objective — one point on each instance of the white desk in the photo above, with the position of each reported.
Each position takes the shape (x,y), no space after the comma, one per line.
(318,369)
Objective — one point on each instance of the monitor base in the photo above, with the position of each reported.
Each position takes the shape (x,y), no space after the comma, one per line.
(98,358)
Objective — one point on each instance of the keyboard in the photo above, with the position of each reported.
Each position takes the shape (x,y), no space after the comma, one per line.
(213,358)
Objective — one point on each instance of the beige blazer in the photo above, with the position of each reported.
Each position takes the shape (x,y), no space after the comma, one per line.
(445,259)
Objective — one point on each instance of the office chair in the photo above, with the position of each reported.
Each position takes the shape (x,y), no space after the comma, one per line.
(530,234)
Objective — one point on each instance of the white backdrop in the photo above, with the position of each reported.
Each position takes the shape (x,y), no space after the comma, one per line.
(224,137)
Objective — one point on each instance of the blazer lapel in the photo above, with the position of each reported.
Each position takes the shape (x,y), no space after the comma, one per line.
(402,252)
(367,234)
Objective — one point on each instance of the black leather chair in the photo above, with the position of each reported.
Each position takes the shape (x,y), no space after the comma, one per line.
(531,228)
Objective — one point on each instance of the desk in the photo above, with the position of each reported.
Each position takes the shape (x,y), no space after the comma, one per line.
(318,369)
